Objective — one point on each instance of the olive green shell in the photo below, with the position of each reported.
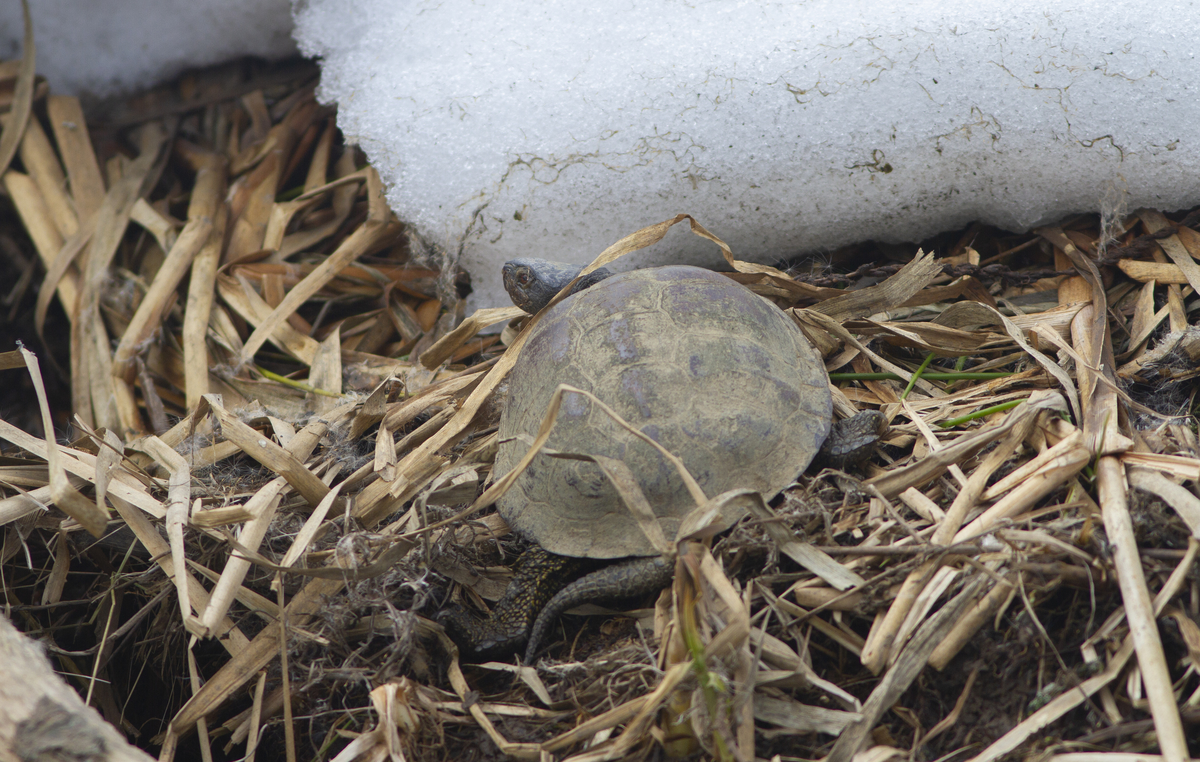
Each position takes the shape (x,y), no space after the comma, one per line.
(716,374)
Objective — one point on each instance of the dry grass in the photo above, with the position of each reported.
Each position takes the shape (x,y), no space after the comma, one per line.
(267,467)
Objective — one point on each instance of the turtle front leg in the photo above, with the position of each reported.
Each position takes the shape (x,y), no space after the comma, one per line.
(626,579)
(538,575)
(851,441)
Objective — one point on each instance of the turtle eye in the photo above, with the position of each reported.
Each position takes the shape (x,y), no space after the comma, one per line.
(523,278)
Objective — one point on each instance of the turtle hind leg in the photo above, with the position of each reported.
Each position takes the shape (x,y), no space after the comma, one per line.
(538,576)
(627,579)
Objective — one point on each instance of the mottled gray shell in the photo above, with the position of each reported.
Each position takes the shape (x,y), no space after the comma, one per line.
(719,376)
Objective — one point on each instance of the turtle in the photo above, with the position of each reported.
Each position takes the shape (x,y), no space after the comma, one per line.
(716,374)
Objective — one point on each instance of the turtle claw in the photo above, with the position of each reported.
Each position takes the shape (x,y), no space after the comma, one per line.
(538,575)
(481,639)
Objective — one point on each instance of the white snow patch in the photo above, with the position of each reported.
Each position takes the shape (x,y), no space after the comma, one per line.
(102,47)
(539,128)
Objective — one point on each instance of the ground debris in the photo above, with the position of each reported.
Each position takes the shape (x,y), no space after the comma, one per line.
(254,466)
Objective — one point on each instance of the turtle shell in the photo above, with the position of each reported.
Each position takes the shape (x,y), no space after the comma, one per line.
(716,374)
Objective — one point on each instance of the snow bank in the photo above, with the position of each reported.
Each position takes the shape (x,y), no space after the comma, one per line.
(508,128)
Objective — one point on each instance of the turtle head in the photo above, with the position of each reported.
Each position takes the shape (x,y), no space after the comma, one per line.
(523,282)
(531,283)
